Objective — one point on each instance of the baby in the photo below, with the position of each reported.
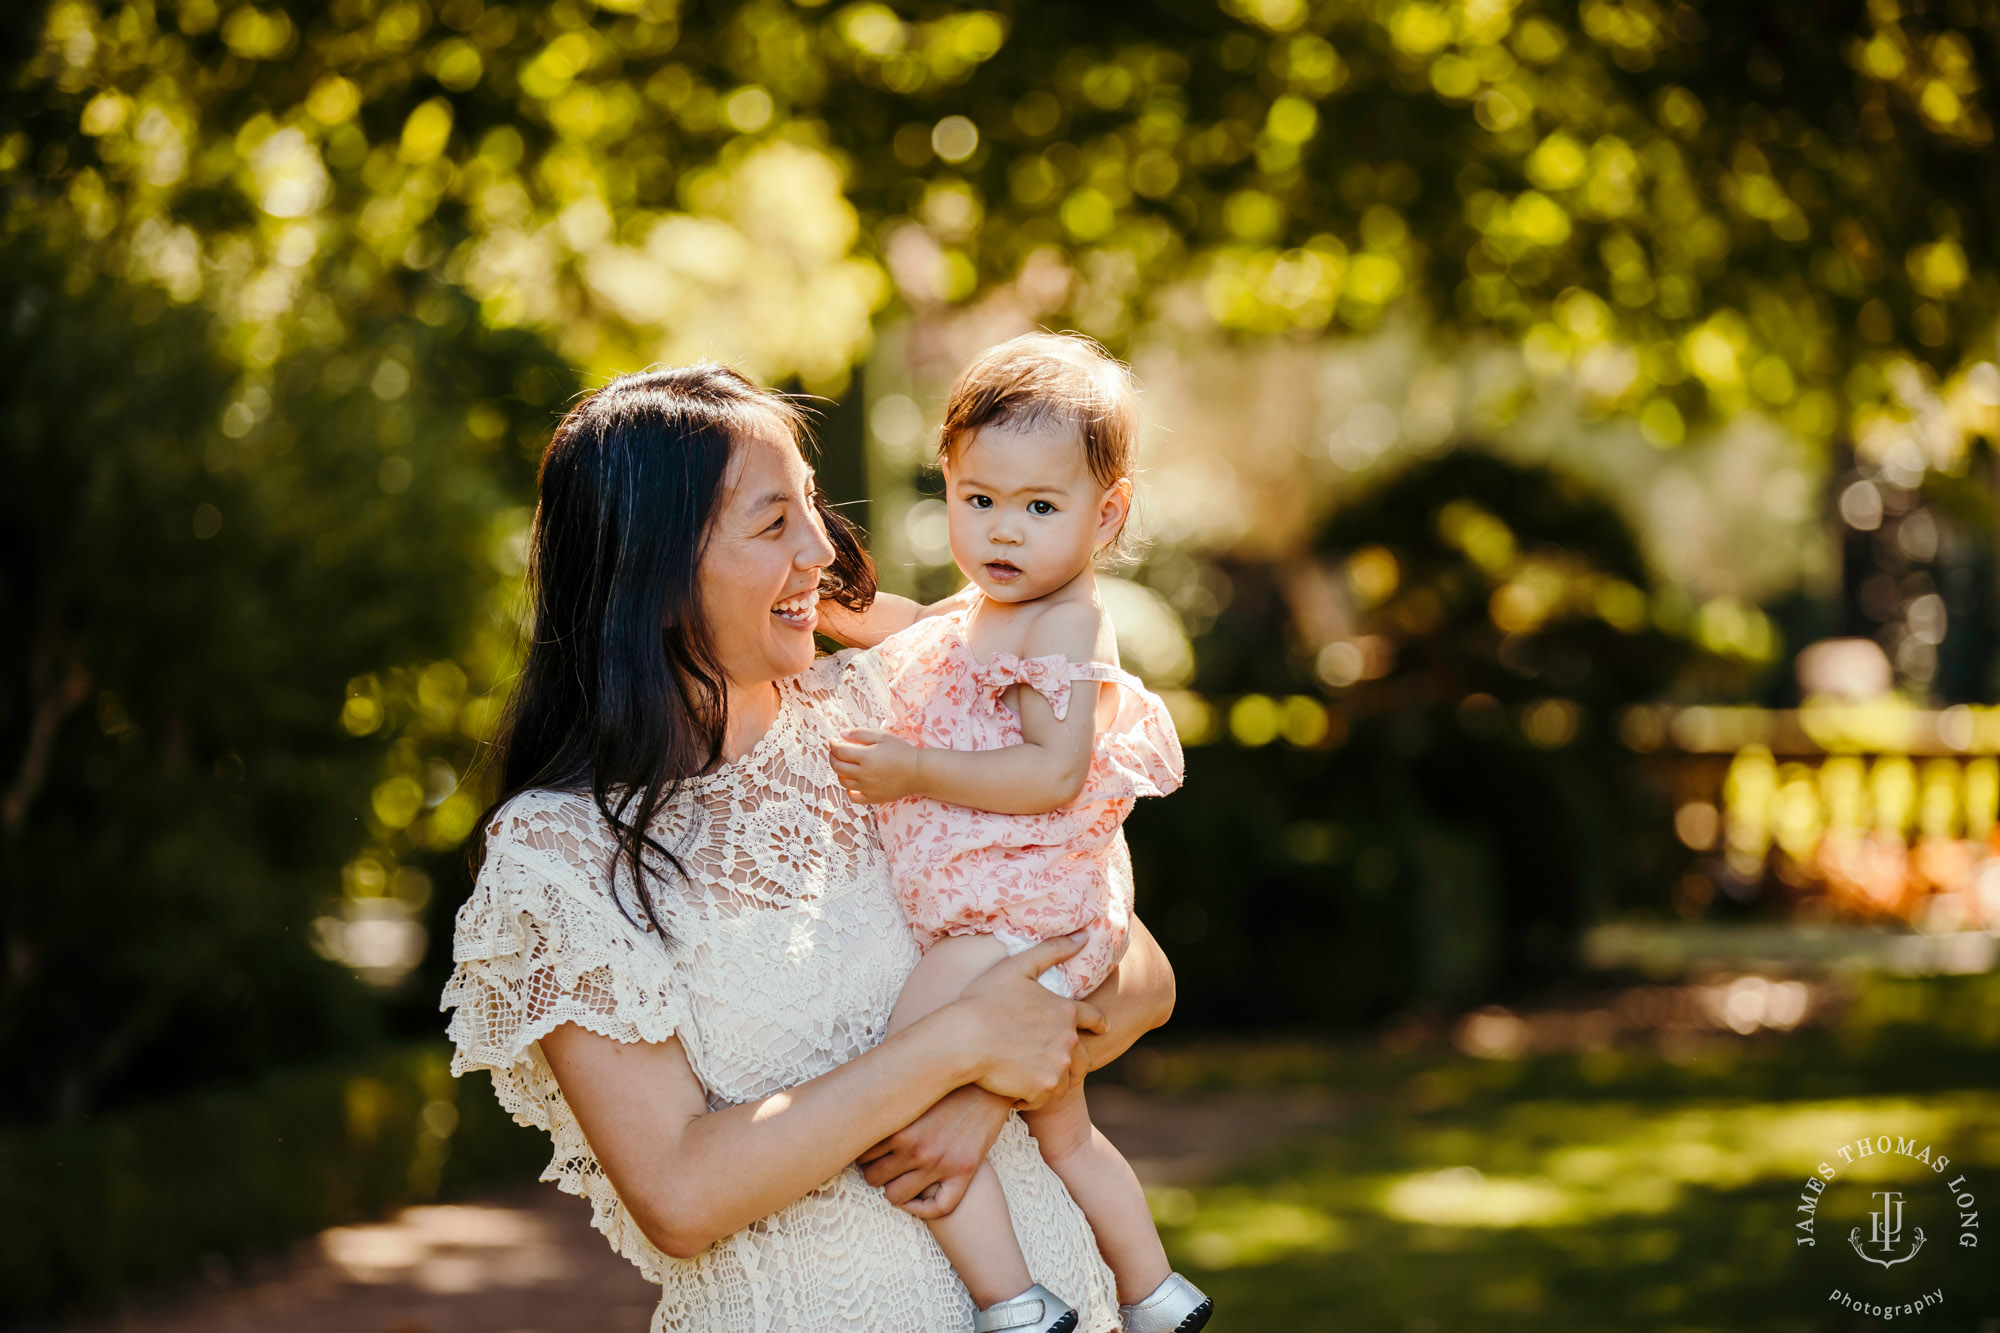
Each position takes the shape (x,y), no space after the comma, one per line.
(1016,748)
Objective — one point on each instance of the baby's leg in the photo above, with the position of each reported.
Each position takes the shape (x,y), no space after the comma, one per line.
(1102,1183)
(978,1235)
(942,974)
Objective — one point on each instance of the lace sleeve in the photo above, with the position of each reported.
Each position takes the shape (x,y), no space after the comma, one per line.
(540,943)
(854,681)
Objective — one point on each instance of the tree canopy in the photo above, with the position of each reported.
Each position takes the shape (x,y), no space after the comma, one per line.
(1696,208)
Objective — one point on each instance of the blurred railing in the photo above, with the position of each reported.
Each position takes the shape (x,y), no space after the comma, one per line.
(1879,810)
(1873,813)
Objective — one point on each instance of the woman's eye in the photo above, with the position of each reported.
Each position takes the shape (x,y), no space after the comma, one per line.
(777,525)
(1040,507)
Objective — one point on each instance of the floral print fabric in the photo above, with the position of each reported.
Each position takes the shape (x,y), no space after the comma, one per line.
(960,871)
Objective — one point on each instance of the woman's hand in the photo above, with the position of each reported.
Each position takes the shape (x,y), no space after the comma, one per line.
(924,1167)
(875,767)
(1031,1053)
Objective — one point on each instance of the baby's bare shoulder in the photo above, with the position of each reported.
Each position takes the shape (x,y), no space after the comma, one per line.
(1077,630)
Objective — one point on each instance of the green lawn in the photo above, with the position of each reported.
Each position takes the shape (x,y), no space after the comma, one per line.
(1608,1190)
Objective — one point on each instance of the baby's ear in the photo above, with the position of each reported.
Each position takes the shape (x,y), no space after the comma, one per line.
(1117,504)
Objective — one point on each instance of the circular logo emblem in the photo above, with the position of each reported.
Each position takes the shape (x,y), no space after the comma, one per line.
(1891,1222)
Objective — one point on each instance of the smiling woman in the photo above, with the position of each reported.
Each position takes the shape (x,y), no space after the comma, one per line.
(682,950)
(676,498)
(763,559)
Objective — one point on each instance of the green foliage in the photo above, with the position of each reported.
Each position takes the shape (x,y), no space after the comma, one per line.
(1695,207)
(98,1211)
(197,569)
(1473,809)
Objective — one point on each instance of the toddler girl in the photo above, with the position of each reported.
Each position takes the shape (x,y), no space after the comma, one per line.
(1006,773)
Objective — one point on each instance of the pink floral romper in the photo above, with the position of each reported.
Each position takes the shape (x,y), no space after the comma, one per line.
(1020,878)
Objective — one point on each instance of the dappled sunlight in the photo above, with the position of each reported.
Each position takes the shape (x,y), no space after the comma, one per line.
(450,1248)
(1463,1196)
(1241,1230)
(1528,390)
(1587,1162)
(1626,1204)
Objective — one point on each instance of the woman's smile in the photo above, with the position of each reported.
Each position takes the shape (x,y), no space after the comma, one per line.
(800,611)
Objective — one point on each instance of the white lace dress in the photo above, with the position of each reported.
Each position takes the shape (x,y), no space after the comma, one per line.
(789,950)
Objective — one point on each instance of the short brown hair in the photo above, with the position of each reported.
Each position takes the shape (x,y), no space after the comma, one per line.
(1043,378)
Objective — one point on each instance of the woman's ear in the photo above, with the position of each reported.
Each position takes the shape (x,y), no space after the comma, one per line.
(1113,510)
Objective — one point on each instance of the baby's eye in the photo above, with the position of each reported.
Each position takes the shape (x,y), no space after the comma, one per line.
(980,501)
(1040,507)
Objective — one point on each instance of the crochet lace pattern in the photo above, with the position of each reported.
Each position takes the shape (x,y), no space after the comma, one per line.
(788,950)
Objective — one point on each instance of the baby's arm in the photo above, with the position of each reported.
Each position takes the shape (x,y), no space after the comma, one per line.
(887,614)
(864,629)
(1045,772)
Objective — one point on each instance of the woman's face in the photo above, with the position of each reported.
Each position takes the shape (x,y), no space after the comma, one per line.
(760,569)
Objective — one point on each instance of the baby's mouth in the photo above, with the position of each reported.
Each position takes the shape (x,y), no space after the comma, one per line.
(1002,572)
(801,611)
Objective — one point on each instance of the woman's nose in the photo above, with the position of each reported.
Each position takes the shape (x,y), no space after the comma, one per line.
(817,552)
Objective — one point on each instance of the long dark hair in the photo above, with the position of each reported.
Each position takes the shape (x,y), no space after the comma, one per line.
(621,695)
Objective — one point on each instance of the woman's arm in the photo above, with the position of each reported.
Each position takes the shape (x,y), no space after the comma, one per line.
(1137,997)
(691,1176)
(945,1145)
(1043,773)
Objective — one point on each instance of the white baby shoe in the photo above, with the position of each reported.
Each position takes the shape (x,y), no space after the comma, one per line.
(1036,1310)
(1176,1306)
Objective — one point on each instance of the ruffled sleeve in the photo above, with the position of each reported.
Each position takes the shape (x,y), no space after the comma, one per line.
(541,943)
(1139,754)
(1048,676)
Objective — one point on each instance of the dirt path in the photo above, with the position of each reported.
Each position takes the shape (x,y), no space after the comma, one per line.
(527,1261)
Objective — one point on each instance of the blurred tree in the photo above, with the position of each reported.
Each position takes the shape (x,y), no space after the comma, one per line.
(391,230)
(1517,609)
(193,592)
(1471,805)
(1697,208)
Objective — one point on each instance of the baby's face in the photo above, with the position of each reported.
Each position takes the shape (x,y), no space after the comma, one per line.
(1026,515)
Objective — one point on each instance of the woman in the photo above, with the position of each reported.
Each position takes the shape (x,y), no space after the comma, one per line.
(681,952)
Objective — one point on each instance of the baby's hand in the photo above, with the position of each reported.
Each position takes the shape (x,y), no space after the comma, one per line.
(874,766)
